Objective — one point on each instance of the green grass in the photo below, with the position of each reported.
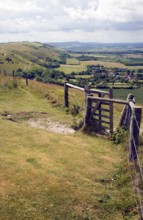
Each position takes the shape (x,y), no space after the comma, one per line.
(71,68)
(25,54)
(72,61)
(82,76)
(50,176)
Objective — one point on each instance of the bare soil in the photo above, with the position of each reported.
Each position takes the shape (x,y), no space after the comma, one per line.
(39,120)
(49,125)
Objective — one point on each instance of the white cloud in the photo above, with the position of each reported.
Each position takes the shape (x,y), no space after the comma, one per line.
(72,16)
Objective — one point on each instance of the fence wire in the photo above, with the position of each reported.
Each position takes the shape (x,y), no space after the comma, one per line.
(137,182)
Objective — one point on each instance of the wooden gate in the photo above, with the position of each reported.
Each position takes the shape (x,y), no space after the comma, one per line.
(95,110)
(99,112)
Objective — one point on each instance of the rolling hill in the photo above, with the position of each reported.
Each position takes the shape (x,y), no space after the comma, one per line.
(26,55)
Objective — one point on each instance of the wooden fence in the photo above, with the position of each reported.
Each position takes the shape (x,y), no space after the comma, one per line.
(103,115)
(131,120)
(100,109)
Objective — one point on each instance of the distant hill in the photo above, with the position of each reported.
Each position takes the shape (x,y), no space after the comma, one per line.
(25,55)
(92,46)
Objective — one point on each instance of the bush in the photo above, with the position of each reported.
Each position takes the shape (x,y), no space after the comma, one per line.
(119,136)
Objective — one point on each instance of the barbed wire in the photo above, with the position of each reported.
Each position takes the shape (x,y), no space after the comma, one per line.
(138,159)
(135,180)
(137,123)
(137,195)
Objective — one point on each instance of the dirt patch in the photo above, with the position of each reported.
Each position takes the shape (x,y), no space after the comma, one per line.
(38,120)
(21,116)
(49,125)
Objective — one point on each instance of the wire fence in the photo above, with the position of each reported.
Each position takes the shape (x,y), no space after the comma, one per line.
(137,170)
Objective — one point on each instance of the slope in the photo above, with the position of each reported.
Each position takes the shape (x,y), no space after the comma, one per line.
(26,54)
(46,175)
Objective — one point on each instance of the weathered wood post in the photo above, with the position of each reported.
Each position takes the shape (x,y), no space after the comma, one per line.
(66,96)
(87,92)
(100,111)
(134,131)
(26,78)
(111,109)
(87,112)
(125,116)
(13,74)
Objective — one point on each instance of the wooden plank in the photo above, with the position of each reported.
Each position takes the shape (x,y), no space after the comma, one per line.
(26,80)
(75,87)
(105,122)
(124,114)
(97,105)
(105,110)
(106,103)
(131,104)
(100,119)
(87,113)
(102,116)
(96,91)
(106,100)
(66,96)
(111,110)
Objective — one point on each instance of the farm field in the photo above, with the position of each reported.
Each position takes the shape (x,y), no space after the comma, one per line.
(94,55)
(72,61)
(103,63)
(48,175)
(71,68)
(122,94)
(82,76)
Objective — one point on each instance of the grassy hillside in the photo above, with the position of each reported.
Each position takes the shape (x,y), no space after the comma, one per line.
(26,54)
(48,175)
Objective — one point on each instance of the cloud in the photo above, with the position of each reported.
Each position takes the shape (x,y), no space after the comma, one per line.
(70,16)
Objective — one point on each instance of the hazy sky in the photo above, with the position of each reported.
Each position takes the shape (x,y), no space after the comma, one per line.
(71,20)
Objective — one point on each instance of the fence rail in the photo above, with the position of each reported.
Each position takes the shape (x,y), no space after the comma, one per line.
(86,90)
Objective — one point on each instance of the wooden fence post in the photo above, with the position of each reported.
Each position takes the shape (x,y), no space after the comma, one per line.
(87,112)
(111,110)
(100,112)
(26,80)
(87,92)
(66,97)
(134,132)
(126,113)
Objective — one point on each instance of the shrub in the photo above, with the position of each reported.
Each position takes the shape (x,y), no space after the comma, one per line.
(119,136)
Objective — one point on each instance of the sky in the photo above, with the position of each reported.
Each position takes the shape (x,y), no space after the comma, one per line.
(71,20)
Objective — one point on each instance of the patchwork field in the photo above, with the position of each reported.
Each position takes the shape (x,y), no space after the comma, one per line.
(102,63)
(71,68)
